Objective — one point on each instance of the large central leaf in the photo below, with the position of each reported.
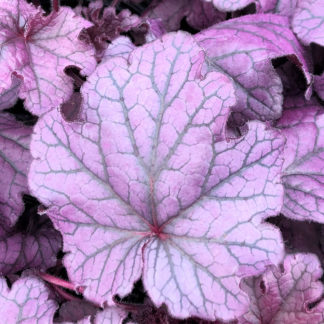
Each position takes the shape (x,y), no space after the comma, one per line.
(149,187)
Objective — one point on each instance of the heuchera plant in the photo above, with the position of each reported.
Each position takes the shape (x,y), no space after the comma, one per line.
(162,162)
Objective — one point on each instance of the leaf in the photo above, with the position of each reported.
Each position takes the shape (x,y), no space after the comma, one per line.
(26,302)
(15,160)
(73,311)
(170,13)
(242,49)
(151,188)
(8,97)
(121,46)
(283,297)
(303,125)
(111,315)
(233,5)
(284,7)
(308,21)
(38,48)
(34,249)
(199,14)
(107,25)
(202,15)
(319,85)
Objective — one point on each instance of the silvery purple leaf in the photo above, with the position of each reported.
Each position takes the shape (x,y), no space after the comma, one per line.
(308,21)
(242,48)
(121,46)
(35,249)
(14,164)
(9,96)
(26,302)
(152,188)
(283,7)
(283,296)
(303,126)
(38,48)
(233,5)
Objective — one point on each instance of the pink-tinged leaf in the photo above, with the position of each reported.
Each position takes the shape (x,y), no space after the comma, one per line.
(156,29)
(170,12)
(233,5)
(121,46)
(243,48)
(283,7)
(308,21)
(9,96)
(151,188)
(15,160)
(319,85)
(26,302)
(38,48)
(303,126)
(37,249)
(230,5)
(107,25)
(283,296)
(199,14)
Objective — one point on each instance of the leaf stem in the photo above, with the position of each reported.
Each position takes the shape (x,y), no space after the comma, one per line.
(56,5)
(114,3)
(65,294)
(57,281)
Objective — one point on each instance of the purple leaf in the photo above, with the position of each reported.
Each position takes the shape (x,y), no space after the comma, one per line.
(319,85)
(156,29)
(308,21)
(14,162)
(9,96)
(26,302)
(37,249)
(71,109)
(283,297)
(38,48)
(170,13)
(303,126)
(107,25)
(202,15)
(199,14)
(151,188)
(242,48)
(73,311)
